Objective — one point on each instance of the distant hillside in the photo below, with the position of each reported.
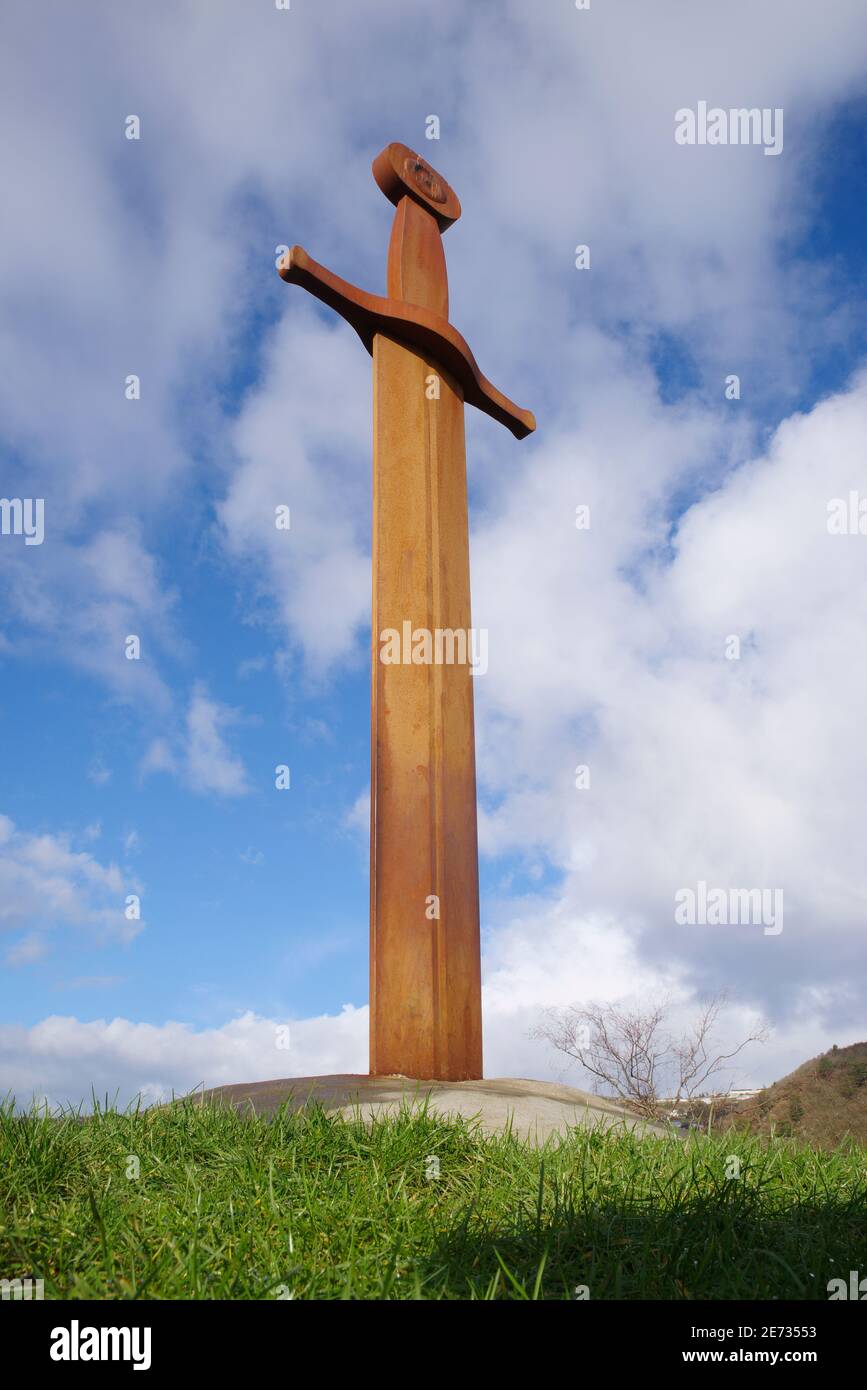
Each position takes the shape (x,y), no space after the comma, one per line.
(822,1102)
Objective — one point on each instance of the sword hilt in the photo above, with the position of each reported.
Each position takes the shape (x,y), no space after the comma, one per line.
(416,307)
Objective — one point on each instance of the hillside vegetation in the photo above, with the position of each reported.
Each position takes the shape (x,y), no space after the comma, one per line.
(822,1103)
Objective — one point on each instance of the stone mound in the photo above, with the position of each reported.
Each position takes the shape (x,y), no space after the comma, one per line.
(534,1110)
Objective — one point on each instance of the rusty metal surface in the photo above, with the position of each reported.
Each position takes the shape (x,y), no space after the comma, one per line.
(425,976)
(425,972)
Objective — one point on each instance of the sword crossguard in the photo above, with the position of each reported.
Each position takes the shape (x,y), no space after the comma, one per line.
(416,307)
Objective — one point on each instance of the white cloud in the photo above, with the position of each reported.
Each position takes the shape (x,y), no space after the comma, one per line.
(357,818)
(27,950)
(210,765)
(158,757)
(45,885)
(303,441)
(741,773)
(98,773)
(252,666)
(60,1058)
(78,603)
(199,753)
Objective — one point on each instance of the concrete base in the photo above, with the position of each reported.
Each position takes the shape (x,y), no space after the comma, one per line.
(535,1110)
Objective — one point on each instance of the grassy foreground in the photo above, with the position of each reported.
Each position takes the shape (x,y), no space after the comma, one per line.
(310,1206)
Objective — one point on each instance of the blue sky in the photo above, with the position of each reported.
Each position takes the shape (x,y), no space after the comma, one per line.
(156,777)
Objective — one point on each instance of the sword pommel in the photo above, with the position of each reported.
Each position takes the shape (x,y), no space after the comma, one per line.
(399,171)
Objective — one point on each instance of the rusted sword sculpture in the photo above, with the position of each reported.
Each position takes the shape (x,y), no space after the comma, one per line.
(425,976)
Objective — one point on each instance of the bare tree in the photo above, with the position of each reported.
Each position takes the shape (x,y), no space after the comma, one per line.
(631,1054)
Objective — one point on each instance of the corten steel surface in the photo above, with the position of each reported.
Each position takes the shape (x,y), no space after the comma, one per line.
(425,1005)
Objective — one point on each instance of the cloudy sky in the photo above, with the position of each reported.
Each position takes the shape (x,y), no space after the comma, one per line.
(610,647)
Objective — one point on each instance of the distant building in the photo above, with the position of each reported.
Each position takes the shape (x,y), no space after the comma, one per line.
(713,1099)
(727,1095)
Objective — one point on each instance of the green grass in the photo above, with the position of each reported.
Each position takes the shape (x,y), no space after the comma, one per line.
(310,1206)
